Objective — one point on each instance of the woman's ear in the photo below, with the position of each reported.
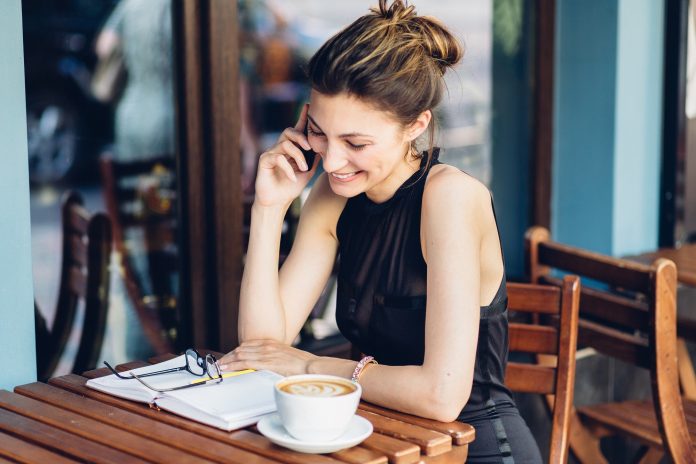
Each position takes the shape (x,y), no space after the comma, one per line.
(417,127)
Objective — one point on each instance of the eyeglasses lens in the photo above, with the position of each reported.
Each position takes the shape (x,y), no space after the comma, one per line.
(195,363)
(213,368)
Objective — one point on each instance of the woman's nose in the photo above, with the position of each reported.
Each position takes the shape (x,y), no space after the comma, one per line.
(332,158)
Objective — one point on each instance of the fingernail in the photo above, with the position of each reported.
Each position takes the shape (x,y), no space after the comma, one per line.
(223,367)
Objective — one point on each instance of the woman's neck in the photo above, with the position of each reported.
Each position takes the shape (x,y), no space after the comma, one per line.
(388,187)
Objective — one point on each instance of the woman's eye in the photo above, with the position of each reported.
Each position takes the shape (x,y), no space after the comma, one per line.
(310,131)
(357,147)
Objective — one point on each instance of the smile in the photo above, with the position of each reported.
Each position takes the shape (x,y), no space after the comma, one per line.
(346,176)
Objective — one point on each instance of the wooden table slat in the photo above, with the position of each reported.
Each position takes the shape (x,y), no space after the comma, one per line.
(61,441)
(360,455)
(24,452)
(283,454)
(458,455)
(460,432)
(147,427)
(397,451)
(93,430)
(431,443)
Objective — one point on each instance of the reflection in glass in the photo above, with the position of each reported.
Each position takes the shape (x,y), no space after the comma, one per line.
(686,157)
(138,172)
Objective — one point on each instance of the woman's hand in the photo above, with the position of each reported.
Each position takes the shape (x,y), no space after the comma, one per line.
(282,172)
(269,355)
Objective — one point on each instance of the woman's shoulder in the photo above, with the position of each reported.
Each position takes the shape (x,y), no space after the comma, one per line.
(450,187)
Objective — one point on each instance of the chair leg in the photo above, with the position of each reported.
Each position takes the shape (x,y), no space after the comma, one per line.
(583,444)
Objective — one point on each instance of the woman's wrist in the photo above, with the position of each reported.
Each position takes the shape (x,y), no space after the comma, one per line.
(333,366)
(259,208)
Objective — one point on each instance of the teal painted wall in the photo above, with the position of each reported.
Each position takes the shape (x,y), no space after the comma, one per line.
(607,124)
(18,362)
(583,168)
(638,124)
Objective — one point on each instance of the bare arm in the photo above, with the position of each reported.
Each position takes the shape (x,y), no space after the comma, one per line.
(274,305)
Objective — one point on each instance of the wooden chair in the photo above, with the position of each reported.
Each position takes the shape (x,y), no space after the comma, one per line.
(84,277)
(551,329)
(140,197)
(631,316)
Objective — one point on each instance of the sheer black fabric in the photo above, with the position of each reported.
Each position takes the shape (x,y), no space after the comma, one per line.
(381,309)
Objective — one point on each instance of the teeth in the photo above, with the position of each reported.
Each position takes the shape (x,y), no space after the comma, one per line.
(343,176)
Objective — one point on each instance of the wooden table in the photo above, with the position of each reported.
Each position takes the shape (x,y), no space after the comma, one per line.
(64,421)
(684,257)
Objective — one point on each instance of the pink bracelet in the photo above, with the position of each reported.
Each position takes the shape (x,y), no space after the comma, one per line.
(361,367)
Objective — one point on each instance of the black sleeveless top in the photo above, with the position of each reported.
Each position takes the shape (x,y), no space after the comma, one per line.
(381,299)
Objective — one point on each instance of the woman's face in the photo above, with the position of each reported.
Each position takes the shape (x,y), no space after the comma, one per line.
(362,149)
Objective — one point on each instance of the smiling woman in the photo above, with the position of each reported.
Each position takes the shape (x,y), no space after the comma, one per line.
(421,283)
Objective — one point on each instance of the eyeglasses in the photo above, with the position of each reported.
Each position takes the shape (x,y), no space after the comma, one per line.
(194,364)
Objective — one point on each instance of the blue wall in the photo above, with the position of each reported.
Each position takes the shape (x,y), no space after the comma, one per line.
(510,136)
(607,124)
(638,125)
(18,362)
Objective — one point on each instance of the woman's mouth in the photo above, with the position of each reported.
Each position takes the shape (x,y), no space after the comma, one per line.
(345,177)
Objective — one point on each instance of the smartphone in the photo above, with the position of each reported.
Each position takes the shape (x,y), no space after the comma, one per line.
(310,154)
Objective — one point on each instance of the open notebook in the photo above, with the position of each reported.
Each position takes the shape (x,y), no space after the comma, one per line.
(231,404)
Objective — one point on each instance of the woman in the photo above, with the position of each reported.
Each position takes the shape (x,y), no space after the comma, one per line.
(421,284)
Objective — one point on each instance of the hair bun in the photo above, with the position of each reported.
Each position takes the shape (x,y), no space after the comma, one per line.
(396,12)
(437,41)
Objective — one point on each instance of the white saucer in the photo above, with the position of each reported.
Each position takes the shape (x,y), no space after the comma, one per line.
(358,430)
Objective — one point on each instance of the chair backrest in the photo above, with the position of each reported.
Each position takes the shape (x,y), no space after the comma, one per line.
(140,196)
(86,252)
(550,329)
(629,314)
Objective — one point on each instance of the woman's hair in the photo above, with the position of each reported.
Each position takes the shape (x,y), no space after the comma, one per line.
(392,59)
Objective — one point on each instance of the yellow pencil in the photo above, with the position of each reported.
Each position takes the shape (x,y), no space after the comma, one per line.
(225,375)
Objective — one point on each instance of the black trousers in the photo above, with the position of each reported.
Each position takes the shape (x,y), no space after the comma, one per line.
(502,437)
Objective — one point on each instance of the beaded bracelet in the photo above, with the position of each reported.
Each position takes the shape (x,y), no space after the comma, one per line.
(361,367)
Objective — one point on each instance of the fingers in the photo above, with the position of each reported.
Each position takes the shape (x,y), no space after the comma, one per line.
(278,160)
(247,357)
(284,165)
(297,136)
(291,149)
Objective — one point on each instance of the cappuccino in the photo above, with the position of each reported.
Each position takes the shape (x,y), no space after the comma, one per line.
(316,408)
(317,387)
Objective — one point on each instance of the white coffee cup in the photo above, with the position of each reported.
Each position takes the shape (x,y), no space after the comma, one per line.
(316,408)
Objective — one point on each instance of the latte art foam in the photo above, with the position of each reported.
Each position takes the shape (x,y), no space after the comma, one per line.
(317,388)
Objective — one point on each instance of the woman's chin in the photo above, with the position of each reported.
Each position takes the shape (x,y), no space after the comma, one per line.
(347,187)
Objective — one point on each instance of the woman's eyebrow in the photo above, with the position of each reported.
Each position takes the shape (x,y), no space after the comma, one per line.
(350,134)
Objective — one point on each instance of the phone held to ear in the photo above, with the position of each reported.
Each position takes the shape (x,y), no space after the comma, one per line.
(310,154)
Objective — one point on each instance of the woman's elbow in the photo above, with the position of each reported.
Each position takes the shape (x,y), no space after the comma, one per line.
(447,405)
